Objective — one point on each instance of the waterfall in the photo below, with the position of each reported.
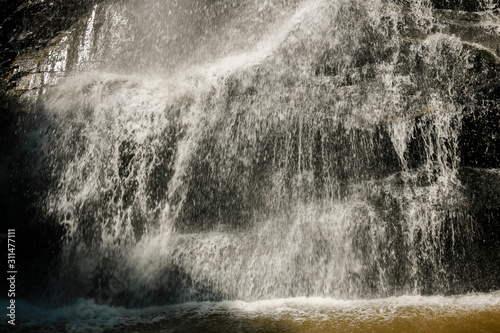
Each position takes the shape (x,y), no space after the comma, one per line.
(214,150)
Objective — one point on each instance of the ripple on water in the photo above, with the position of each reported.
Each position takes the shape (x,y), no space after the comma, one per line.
(465,313)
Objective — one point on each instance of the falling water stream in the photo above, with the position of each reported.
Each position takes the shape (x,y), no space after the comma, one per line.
(291,165)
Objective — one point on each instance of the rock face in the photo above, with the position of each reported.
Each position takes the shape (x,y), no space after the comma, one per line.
(28,26)
(189,147)
(470,6)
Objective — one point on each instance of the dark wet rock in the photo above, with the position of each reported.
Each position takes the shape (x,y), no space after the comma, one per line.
(464,5)
(10,110)
(458,5)
(481,187)
(480,137)
(468,27)
(476,96)
(30,25)
(467,236)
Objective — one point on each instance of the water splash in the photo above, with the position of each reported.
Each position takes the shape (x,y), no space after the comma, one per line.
(316,155)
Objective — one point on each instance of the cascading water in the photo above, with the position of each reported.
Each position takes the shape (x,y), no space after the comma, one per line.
(208,151)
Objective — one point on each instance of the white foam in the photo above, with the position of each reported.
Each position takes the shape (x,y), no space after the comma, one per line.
(84,315)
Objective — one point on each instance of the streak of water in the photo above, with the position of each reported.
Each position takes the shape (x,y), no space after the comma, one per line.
(227,150)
